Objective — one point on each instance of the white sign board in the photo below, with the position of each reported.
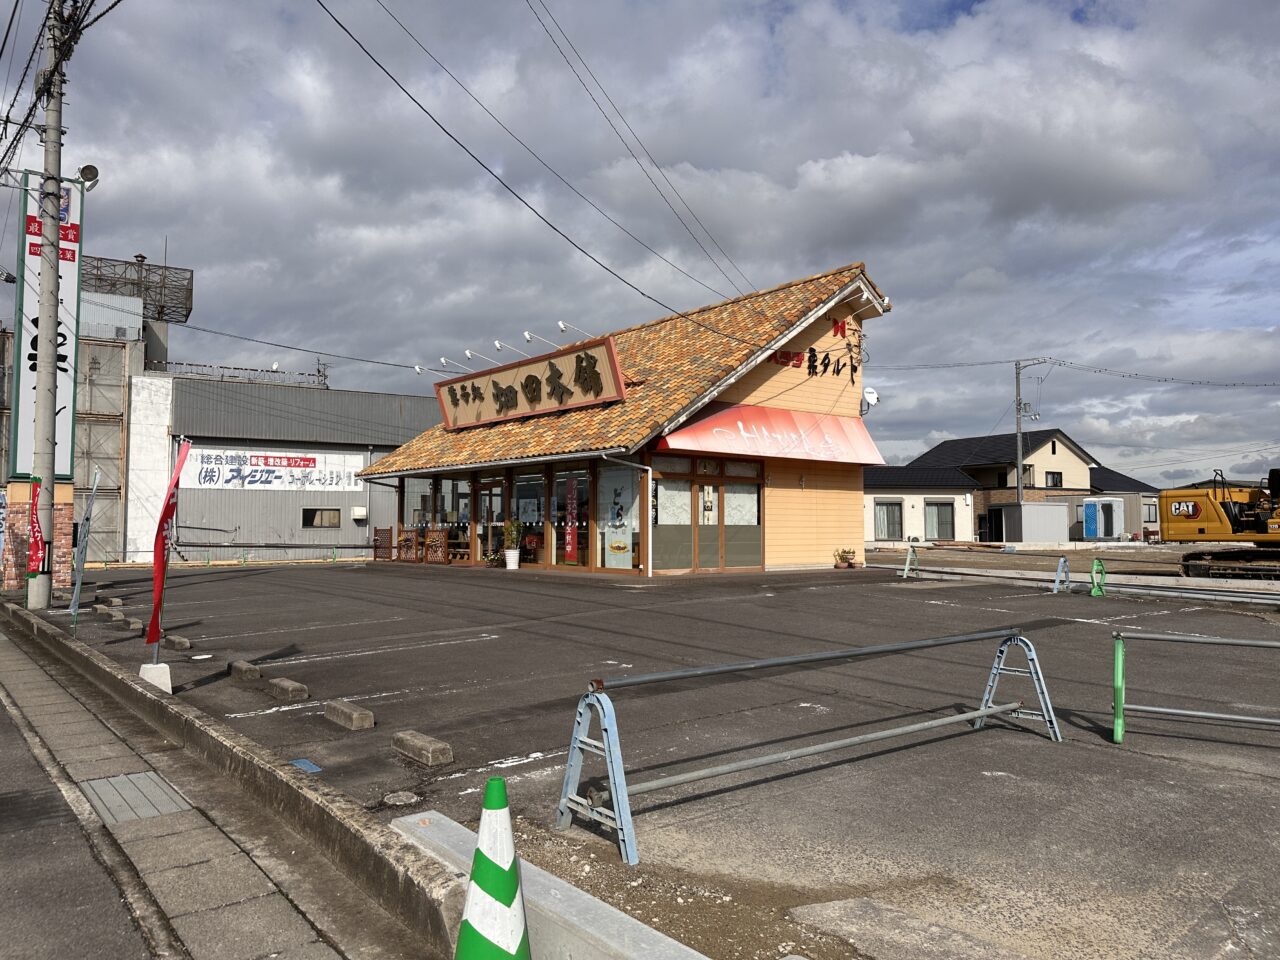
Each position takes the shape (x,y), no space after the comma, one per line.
(27,318)
(210,468)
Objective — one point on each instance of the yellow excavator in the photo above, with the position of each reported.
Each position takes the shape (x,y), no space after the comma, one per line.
(1226,512)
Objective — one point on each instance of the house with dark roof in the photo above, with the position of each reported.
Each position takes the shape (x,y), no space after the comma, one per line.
(1053,467)
(727,437)
(910,504)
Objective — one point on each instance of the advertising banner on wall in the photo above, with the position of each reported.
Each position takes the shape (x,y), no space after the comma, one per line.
(210,468)
(26,319)
(35,543)
(617,495)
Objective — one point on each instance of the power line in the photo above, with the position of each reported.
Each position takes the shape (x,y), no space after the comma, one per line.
(1155,378)
(645,148)
(516,194)
(552,170)
(101,15)
(618,133)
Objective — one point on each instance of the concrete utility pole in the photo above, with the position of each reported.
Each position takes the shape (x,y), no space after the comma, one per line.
(1020,409)
(43,460)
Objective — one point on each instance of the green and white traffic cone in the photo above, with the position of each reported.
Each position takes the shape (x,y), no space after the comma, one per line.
(493,924)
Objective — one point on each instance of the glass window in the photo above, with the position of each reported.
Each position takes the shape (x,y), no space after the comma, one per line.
(741,468)
(888,519)
(1053,478)
(570,514)
(1149,513)
(672,524)
(708,468)
(1079,513)
(417,501)
(453,513)
(312,517)
(673,464)
(742,540)
(940,520)
(618,518)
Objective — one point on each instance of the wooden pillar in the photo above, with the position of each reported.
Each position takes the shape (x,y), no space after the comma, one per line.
(400,491)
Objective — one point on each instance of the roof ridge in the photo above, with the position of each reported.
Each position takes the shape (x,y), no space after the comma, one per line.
(684,314)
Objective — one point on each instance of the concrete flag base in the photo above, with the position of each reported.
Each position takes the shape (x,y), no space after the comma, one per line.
(157,674)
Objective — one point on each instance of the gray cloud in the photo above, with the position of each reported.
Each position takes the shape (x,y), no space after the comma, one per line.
(1022,178)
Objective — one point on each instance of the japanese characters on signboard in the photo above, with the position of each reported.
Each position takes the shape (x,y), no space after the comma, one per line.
(211,468)
(840,359)
(27,319)
(583,375)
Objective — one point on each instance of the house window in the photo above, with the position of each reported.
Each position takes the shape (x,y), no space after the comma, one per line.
(888,519)
(1079,513)
(940,520)
(1053,478)
(1149,513)
(315,517)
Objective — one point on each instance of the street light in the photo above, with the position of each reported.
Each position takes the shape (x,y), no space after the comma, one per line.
(498,345)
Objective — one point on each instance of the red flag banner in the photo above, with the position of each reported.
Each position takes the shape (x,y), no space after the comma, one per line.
(160,554)
(35,545)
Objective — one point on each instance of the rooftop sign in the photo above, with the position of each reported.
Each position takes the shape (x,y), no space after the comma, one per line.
(584,375)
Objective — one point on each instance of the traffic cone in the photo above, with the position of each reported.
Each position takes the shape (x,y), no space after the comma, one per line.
(493,925)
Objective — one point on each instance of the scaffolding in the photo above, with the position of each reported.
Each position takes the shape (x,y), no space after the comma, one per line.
(165,291)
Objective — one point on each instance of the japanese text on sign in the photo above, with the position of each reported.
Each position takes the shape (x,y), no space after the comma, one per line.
(220,469)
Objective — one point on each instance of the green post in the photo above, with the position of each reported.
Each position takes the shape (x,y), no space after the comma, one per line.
(1117,695)
(1098,577)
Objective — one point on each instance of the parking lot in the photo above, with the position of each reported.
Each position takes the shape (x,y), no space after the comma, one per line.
(1001,842)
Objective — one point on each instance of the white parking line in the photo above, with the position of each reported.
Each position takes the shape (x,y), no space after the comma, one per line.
(373,651)
(316,626)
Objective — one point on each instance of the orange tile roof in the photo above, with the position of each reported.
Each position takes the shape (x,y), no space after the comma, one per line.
(668,364)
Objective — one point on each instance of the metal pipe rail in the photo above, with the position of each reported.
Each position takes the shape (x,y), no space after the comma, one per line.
(849,653)
(1120,707)
(611,806)
(601,797)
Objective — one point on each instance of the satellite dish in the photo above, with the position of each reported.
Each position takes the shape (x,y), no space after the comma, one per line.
(870,395)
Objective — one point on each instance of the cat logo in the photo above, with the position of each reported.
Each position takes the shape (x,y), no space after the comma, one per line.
(1185,509)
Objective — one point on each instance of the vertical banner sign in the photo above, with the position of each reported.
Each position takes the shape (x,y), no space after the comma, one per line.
(35,546)
(82,544)
(26,318)
(571,521)
(164,536)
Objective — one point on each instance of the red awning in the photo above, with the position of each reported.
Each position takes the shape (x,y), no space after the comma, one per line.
(748,431)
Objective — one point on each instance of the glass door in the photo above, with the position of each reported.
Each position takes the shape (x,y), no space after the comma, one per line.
(708,524)
(572,517)
(490,515)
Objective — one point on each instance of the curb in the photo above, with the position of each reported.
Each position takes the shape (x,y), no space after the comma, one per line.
(422,890)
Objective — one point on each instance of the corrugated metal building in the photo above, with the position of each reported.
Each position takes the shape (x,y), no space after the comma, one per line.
(272,469)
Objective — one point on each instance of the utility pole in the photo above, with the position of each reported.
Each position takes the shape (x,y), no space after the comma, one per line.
(1020,409)
(40,588)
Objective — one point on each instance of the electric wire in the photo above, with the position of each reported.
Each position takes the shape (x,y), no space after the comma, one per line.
(657,166)
(515,193)
(90,23)
(623,140)
(550,169)
(8,30)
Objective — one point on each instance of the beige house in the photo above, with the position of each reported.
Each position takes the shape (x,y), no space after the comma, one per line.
(917,504)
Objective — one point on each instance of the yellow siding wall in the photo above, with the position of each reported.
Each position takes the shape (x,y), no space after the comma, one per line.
(1075,472)
(804,526)
(791,388)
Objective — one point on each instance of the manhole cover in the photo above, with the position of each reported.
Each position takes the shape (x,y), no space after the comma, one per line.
(401,798)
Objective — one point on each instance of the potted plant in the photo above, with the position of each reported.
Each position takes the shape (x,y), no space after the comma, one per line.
(841,557)
(492,559)
(511,531)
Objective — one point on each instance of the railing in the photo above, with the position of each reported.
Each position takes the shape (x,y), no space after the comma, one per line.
(1120,706)
(596,702)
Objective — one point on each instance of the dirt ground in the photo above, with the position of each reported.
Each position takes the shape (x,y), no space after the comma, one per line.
(1148,560)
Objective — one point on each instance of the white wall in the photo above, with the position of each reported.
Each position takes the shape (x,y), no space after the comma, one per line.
(148,468)
(913,510)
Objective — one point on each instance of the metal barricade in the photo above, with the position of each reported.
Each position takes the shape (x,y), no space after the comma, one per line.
(1119,705)
(597,704)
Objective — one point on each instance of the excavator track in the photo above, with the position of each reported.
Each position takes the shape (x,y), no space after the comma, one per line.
(1257,563)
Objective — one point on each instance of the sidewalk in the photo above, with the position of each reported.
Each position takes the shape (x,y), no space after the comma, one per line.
(192,889)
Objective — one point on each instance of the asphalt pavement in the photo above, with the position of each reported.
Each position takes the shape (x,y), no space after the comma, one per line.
(1164,846)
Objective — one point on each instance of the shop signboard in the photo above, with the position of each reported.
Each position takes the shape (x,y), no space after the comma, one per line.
(745,430)
(220,468)
(584,375)
(26,319)
(617,495)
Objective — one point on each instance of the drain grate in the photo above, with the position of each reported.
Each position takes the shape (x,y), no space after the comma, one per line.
(133,796)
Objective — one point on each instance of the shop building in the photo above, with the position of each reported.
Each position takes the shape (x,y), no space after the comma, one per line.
(725,438)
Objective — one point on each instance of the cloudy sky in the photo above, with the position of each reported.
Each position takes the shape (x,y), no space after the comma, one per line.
(1092,181)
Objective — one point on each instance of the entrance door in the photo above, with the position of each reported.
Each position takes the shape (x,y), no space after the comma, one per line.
(490,514)
(708,554)
(995,526)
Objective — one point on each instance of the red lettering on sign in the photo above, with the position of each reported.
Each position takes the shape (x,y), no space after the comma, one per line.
(33,226)
(33,249)
(66,254)
(839,328)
